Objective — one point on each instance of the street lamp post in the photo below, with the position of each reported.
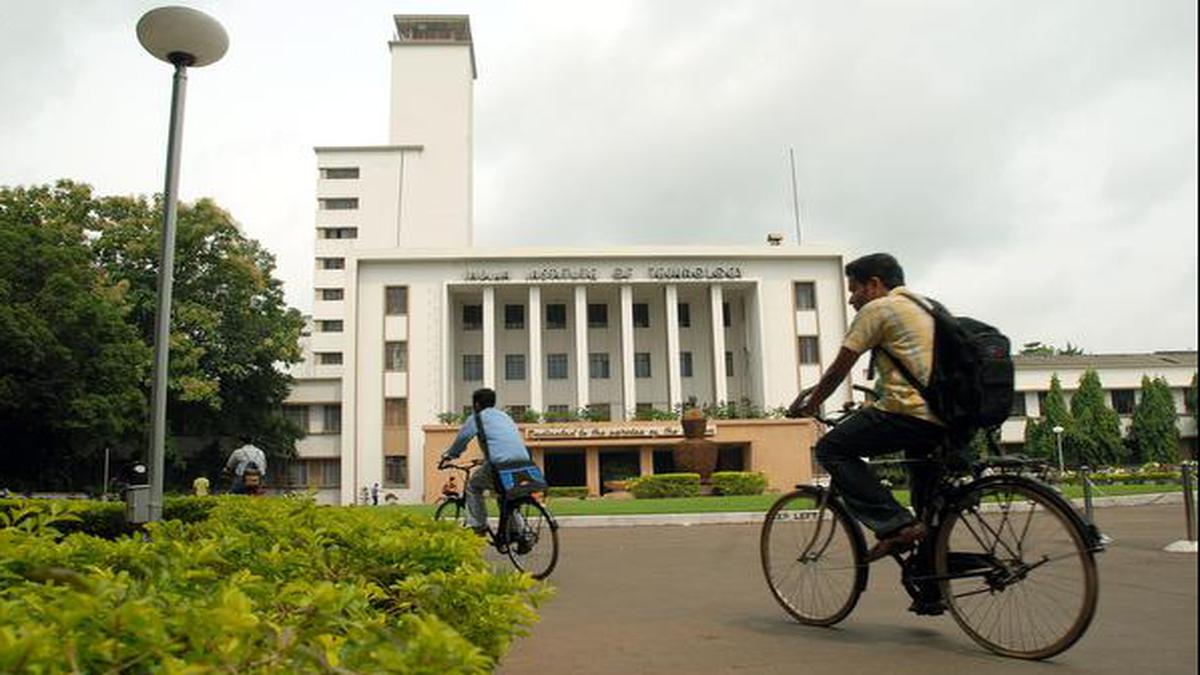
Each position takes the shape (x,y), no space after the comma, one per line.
(1058,432)
(182,37)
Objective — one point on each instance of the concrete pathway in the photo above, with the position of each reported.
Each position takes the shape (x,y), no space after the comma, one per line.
(693,600)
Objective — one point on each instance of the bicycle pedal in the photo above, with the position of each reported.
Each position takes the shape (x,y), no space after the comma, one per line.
(927,608)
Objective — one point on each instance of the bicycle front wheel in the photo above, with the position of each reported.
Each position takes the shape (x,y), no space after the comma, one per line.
(533,538)
(1016,570)
(811,555)
(451,509)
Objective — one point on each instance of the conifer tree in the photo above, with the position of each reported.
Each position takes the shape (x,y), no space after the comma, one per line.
(1097,426)
(1153,435)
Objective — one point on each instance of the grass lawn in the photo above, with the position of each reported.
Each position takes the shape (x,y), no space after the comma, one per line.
(751,503)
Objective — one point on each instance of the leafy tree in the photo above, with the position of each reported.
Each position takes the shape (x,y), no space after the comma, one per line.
(78,288)
(1098,428)
(1153,435)
(71,366)
(230,328)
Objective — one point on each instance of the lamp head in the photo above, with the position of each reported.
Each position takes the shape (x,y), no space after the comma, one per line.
(1057,429)
(182,36)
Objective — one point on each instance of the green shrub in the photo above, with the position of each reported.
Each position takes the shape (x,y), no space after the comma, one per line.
(661,485)
(263,585)
(565,492)
(107,519)
(739,482)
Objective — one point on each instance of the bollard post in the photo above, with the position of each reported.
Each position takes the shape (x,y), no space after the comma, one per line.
(1189,498)
(1085,474)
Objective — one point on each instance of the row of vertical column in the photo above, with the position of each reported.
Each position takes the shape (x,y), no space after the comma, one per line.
(628,380)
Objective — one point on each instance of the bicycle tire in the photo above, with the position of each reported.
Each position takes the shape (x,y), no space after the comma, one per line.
(1023,580)
(451,509)
(539,533)
(813,563)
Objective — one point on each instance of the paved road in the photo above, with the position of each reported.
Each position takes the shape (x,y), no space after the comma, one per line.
(676,599)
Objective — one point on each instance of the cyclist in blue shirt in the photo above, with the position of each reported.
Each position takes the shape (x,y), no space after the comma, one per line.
(504,445)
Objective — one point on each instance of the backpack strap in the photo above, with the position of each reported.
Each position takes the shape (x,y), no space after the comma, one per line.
(483,442)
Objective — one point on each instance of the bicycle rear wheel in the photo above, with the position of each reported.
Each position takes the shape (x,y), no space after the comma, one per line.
(451,509)
(533,538)
(1022,579)
(811,557)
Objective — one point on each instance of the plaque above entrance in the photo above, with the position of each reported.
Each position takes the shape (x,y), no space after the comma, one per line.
(550,433)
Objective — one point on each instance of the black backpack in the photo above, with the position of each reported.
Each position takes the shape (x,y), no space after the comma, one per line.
(971,386)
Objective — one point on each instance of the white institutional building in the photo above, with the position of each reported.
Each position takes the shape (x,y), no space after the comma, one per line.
(409,318)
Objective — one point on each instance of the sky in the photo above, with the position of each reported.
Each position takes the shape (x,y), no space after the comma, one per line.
(1032,164)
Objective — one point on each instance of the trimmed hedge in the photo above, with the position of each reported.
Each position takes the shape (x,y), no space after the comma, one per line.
(567,492)
(264,585)
(662,485)
(739,482)
(107,519)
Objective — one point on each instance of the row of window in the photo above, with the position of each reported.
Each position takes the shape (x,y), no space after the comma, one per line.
(1124,402)
(331,417)
(557,366)
(395,304)
(327,473)
(597,316)
(337,233)
(395,358)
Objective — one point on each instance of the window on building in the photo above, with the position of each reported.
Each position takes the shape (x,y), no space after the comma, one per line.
(311,473)
(395,442)
(598,366)
(395,471)
(395,300)
(332,294)
(1041,395)
(1123,401)
(641,364)
(806,295)
(331,263)
(338,203)
(472,367)
(395,356)
(514,366)
(333,418)
(1189,403)
(330,326)
(597,314)
(337,232)
(643,408)
(809,349)
(684,311)
(339,172)
(1018,405)
(517,412)
(298,415)
(726,315)
(728,364)
(557,411)
(556,366)
(514,317)
(685,364)
(556,316)
(329,358)
(641,315)
(472,317)
(600,412)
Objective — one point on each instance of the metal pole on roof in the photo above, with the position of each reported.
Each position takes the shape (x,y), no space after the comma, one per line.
(795,194)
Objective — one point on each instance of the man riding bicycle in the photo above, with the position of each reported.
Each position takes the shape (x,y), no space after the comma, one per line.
(504,446)
(889,320)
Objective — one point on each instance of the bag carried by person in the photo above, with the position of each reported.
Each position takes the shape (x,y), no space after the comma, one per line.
(513,479)
(971,385)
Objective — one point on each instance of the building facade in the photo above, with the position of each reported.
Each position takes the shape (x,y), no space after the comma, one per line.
(409,317)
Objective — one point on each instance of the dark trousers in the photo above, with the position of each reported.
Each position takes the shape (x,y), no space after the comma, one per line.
(870,433)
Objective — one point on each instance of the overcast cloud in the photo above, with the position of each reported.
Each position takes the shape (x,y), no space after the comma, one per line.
(1031,163)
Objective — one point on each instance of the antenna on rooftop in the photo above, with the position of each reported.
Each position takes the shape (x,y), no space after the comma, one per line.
(795,194)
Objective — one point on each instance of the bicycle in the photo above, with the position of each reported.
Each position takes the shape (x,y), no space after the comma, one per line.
(526,531)
(1012,560)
